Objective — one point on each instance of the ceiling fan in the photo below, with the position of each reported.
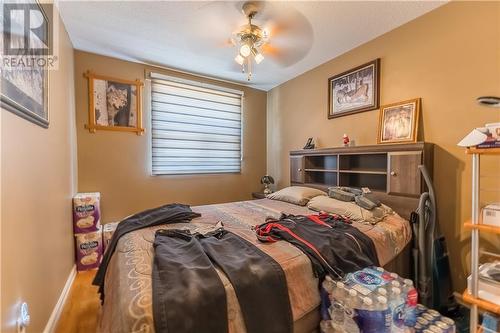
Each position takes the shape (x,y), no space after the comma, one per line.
(249,39)
(289,30)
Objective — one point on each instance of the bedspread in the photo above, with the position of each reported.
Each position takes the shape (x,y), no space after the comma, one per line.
(128,303)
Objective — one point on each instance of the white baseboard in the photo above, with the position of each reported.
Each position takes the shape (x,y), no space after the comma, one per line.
(56,312)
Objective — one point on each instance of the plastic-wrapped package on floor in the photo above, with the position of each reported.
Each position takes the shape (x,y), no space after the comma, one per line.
(108,230)
(374,300)
(88,250)
(86,212)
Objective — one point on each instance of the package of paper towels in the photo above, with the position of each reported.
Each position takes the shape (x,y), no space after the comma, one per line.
(86,212)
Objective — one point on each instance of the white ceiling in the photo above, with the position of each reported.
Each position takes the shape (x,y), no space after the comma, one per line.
(193,35)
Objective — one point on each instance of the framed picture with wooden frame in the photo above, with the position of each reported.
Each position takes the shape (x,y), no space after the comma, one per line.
(398,122)
(355,90)
(114,104)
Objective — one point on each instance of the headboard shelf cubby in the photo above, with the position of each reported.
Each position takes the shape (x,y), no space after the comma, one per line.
(390,171)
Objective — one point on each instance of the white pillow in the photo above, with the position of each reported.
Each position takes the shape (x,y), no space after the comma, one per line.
(297,195)
(349,209)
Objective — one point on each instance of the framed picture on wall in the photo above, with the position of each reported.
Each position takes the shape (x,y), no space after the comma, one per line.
(114,104)
(353,91)
(398,122)
(25,88)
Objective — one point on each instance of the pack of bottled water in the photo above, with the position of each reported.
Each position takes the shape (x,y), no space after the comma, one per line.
(374,300)
(431,321)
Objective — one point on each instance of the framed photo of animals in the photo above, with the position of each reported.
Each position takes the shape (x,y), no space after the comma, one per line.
(354,91)
(114,104)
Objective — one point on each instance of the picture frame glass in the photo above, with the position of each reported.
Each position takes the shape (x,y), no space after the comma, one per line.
(26,91)
(398,122)
(115,103)
(354,91)
(25,88)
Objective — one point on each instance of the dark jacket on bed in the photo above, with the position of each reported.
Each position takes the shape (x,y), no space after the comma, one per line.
(333,246)
(167,214)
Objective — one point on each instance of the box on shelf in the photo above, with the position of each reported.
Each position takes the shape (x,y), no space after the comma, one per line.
(492,132)
(488,286)
(88,250)
(491,214)
(108,230)
(86,212)
(491,323)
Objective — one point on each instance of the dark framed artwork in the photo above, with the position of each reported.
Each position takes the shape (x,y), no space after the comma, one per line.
(25,88)
(114,104)
(354,91)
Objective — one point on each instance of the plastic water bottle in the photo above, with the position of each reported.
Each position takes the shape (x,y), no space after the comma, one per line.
(328,284)
(338,291)
(382,291)
(337,309)
(397,307)
(350,306)
(372,315)
(383,307)
(366,304)
(395,284)
(411,303)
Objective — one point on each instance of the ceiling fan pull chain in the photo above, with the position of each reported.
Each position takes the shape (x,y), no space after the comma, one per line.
(249,77)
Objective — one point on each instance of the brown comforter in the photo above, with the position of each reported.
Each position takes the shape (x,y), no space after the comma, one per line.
(128,306)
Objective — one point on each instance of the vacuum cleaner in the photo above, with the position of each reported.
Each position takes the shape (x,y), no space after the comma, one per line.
(431,268)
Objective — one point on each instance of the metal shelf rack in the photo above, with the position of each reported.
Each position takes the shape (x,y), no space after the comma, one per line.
(475,228)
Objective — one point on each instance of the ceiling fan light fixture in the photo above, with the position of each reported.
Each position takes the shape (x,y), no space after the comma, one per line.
(249,39)
(239,59)
(245,50)
(258,58)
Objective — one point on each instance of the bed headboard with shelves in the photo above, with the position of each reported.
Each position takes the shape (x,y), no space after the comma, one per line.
(390,171)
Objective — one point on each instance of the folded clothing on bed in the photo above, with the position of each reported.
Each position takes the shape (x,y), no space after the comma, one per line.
(189,296)
(167,214)
(349,209)
(333,246)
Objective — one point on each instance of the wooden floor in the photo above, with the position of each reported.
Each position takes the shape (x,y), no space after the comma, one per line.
(80,312)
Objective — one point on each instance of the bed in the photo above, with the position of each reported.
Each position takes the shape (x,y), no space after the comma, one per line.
(128,302)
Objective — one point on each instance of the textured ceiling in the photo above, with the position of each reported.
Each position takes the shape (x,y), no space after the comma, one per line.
(193,35)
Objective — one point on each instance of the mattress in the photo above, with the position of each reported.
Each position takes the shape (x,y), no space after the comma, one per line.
(128,302)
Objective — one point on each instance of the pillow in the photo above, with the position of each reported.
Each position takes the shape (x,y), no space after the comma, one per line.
(349,209)
(297,195)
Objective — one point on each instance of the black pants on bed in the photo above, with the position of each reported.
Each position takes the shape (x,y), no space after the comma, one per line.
(166,214)
(188,295)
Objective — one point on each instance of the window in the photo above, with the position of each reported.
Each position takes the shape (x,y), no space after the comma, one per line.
(196,128)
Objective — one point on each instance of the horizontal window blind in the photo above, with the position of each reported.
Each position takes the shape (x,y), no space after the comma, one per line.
(196,128)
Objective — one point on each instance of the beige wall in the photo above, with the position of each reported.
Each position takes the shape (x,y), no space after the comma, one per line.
(448,58)
(38,182)
(116,164)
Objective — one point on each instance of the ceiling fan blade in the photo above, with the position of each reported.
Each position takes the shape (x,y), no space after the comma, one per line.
(291,34)
(214,23)
(227,43)
(270,50)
